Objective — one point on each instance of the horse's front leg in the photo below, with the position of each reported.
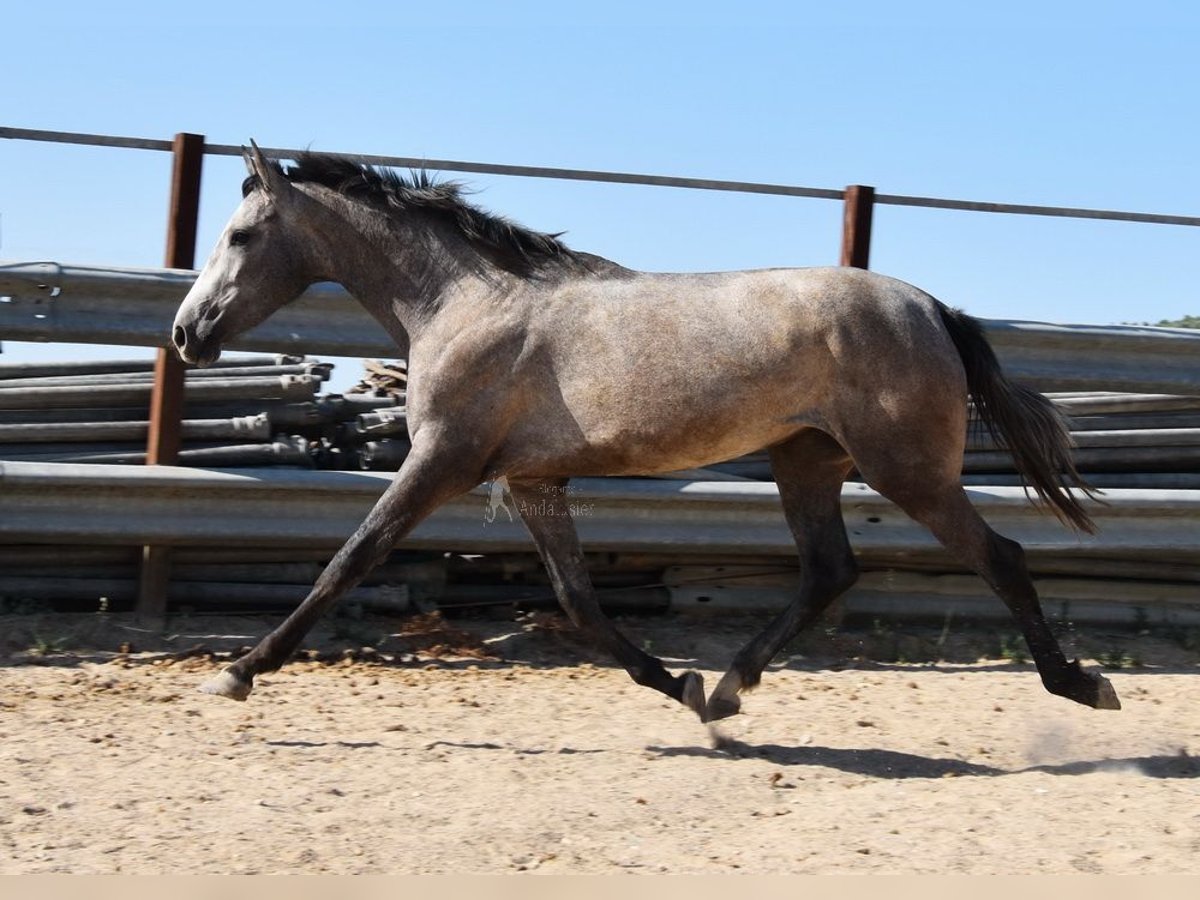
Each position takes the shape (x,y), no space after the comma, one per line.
(430,476)
(544,508)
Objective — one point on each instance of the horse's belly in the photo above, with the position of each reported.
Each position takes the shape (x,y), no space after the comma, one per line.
(649,438)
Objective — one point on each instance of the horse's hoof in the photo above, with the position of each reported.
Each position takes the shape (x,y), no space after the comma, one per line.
(227,684)
(725,701)
(691,694)
(723,707)
(1106,695)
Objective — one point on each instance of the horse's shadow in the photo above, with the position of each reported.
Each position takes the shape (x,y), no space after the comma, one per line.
(892,764)
(886,764)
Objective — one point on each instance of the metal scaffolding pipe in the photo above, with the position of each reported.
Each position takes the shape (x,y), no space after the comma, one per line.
(77,367)
(241,427)
(320,371)
(287,387)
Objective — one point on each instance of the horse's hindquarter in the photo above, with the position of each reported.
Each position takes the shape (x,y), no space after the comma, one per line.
(652,373)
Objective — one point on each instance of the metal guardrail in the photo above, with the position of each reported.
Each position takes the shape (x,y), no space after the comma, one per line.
(99,504)
(47,301)
(915,595)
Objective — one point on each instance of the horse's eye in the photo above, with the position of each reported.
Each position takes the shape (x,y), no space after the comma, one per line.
(239,238)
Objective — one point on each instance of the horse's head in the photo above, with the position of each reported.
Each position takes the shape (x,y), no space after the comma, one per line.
(258,265)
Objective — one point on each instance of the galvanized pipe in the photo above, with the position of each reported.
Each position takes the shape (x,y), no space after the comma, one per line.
(241,427)
(284,451)
(283,415)
(344,407)
(383,456)
(287,387)
(100,366)
(320,371)
(383,422)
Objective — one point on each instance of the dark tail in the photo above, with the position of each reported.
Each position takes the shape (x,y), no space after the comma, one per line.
(1022,421)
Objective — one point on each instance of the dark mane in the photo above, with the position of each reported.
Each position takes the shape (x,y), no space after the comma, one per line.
(509,245)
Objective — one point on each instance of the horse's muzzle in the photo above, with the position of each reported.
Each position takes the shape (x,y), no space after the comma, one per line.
(191,348)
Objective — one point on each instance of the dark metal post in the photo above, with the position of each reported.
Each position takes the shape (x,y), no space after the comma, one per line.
(856,226)
(166,398)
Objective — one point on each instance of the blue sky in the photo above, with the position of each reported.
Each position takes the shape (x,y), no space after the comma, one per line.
(1071,104)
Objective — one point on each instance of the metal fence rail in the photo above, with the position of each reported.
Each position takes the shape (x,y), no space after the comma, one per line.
(697,545)
(97,504)
(701,184)
(58,302)
(1146,556)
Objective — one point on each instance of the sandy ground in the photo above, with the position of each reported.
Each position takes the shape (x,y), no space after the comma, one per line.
(493,749)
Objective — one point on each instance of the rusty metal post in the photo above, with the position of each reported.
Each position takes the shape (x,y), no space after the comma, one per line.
(856,226)
(166,398)
(166,401)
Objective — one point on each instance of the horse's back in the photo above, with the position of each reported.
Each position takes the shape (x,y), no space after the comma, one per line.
(652,372)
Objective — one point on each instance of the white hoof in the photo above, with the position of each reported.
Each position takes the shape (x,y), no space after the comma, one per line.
(226,684)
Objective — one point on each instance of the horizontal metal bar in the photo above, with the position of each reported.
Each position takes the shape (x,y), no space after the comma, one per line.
(90,140)
(283,451)
(912,595)
(74,368)
(1100,459)
(317,370)
(283,415)
(1129,437)
(1022,209)
(1153,480)
(1105,404)
(46,301)
(56,302)
(1054,357)
(286,387)
(242,427)
(1116,422)
(593,175)
(95,504)
(225,594)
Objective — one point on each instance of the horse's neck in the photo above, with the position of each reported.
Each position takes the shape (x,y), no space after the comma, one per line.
(398,277)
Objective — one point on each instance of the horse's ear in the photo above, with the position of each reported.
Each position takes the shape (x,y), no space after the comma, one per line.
(268,174)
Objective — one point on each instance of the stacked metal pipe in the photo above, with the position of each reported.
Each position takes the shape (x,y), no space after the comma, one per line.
(248,411)
(241,413)
(711,539)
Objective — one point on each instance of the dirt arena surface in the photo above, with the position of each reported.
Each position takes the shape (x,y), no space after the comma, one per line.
(493,746)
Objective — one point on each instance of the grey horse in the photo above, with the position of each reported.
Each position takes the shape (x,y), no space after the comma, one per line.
(534,362)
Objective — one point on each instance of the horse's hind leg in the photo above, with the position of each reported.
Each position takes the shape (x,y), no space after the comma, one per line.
(544,507)
(809,469)
(945,510)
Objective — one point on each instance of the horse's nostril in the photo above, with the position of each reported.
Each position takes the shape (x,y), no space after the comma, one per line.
(179,336)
